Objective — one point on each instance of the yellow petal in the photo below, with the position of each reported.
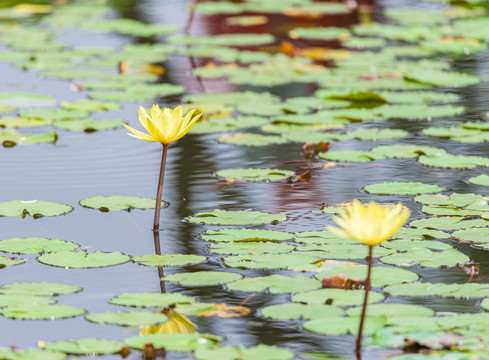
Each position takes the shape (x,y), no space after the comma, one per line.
(138,134)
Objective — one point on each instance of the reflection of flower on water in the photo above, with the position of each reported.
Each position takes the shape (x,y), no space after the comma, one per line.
(178,323)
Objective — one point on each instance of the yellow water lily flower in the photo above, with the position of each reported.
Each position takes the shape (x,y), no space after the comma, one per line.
(164,126)
(177,324)
(370,224)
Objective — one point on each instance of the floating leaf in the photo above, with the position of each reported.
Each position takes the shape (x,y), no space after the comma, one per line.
(54,114)
(119,202)
(5,261)
(251,248)
(276,284)
(226,124)
(5,109)
(89,105)
(406,245)
(250,139)
(232,98)
(407,151)
(239,235)
(462,291)
(402,188)
(131,27)
(40,312)
(454,161)
(482,180)
(169,259)
(444,78)
(252,174)
(151,299)
(224,39)
(23,299)
(21,122)
(336,297)
(292,311)
(319,33)
(11,137)
(272,261)
(344,325)
(262,352)
(88,125)
(31,354)
(128,318)
(350,156)
(19,99)
(393,310)
(34,208)
(85,346)
(376,134)
(224,217)
(41,289)
(448,223)
(83,260)
(427,258)
(203,278)
(174,342)
(35,245)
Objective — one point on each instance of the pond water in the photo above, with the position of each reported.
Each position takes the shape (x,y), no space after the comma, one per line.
(81,165)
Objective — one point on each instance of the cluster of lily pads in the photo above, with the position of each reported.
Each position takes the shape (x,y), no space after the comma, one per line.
(382,74)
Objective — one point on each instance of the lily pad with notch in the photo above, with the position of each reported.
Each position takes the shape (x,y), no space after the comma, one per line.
(292,311)
(151,299)
(252,174)
(169,259)
(31,354)
(88,125)
(119,202)
(336,297)
(41,289)
(350,156)
(272,261)
(203,278)
(86,346)
(251,139)
(240,352)
(344,325)
(243,217)
(33,245)
(89,105)
(128,318)
(427,258)
(11,137)
(40,312)
(174,342)
(275,284)
(238,235)
(23,299)
(402,188)
(407,151)
(20,99)
(83,260)
(34,208)
(250,247)
(458,291)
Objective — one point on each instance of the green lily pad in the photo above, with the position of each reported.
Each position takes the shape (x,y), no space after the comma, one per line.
(83,260)
(449,161)
(444,78)
(131,27)
(6,109)
(292,311)
(249,247)
(381,275)
(89,125)
(23,299)
(11,137)
(119,202)
(224,217)
(151,299)
(54,114)
(128,318)
(252,174)
(482,180)
(35,245)
(427,258)
(169,259)
(340,250)
(402,188)
(22,122)
(31,354)
(226,124)
(448,223)
(407,151)
(203,278)
(319,33)
(363,43)
(350,156)
(467,201)
(6,261)
(457,291)
(86,346)
(336,297)
(41,289)
(266,109)
(19,99)
(418,234)
(344,325)
(34,208)
(479,236)
(136,92)
(406,245)
(262,352)
(238,235)
(40,312)
(289,261)
(374,134)
(393,310)
(275,284)
(89,105)
(251,139)
(224,40)
(232,98)
(174,342)
(418,111)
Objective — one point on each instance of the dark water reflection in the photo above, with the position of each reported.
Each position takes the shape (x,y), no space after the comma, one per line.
(105,163)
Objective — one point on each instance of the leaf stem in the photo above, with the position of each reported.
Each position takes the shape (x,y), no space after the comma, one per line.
(358,348)
(156,222)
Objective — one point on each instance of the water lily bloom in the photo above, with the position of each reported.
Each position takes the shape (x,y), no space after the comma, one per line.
(370,224)
(164,126)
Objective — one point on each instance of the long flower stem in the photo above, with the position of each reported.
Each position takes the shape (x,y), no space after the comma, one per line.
(156,222)
(358,348)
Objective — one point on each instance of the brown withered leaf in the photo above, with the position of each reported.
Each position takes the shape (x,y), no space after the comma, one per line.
(321,147)
(306,176)
(340,281)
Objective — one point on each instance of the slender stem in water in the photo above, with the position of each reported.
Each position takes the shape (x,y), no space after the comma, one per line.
(358,348)
(156,223)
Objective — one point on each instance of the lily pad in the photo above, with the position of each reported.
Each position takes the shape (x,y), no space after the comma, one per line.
(402,188)
(407,151)
(19,99)
(35,245)
(482,180)
(40,312)
(344,325)
(22,122)
(88,125)
(83,260)
(224,40)
(128,318)
(449,223)
(238,235)
(427,258)
(457,291)
(374,134)
(34,208)
(252,174)
(169,259)
(232,98)
(224,217)
(23,299)
(262,352)
(54,114)
(174,342)
(86,346)
(41,289)
(151,299)
(89,105)
(292,311)
(243,248)
(11,137)
(350,156)
(393,310)
(119,202)
(31,354)
(251,139)
(275,284)
(203,278)
(444,78)
(289,261)
(6,261)
(212,309)
(336,297)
